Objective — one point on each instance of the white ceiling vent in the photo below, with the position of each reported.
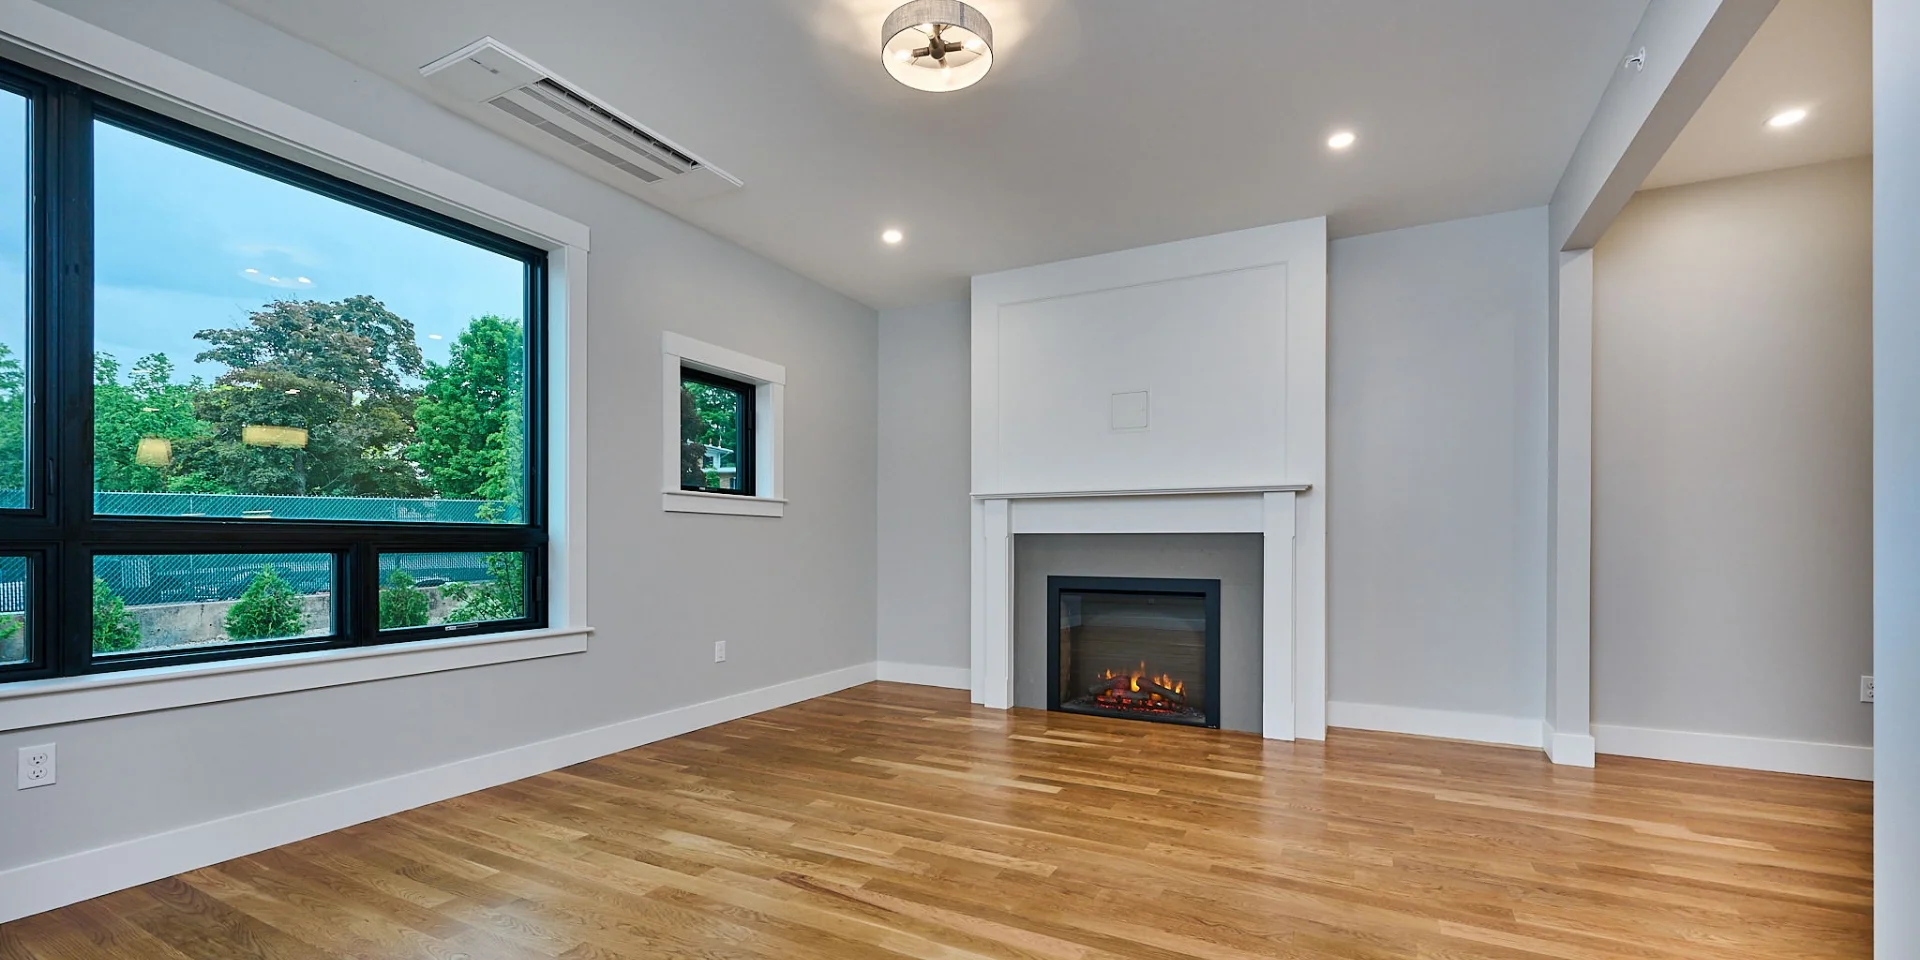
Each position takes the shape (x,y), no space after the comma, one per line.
(518,97)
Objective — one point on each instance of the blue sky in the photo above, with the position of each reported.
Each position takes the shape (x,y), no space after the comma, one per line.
(185,243)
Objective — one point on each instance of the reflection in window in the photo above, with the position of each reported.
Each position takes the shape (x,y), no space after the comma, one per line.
(15,643)
(13,301)
(262,351)
(716,433)
(435,589)
(174,603)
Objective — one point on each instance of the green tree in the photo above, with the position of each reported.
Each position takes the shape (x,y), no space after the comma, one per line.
(470,423)
(150,406)
(13,429)
(504,597)
(114,629)
(402,604)
(338,371)
(715,422)
(268,609)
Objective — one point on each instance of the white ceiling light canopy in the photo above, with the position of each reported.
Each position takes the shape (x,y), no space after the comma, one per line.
(937,45)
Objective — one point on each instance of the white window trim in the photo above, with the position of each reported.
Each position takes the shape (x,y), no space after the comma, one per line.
(39,703)
(65,46)
(769,426)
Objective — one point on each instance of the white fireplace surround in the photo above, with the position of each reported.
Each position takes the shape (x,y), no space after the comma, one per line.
(1266,511)
(1173,389)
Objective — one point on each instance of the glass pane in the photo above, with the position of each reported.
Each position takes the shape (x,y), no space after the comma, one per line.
(432,589)
(15,645)
(262,351)
(173,603)
(13,300)
(710,421)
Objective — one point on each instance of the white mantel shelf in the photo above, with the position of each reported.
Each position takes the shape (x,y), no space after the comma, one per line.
(1180,492)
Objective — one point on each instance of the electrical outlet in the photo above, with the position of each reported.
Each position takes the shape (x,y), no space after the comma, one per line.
(1866,689)
(719,651)
(36,766)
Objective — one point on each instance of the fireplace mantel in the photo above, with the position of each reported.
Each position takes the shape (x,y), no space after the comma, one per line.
(1179,388)
(1293,678)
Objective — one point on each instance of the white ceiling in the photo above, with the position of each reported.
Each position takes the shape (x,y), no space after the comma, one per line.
(1816,55)
(1105,124)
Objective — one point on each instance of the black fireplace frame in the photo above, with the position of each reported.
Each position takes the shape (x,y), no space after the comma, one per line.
(1207,590)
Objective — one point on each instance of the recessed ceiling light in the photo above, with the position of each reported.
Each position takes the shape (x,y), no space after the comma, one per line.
(892,236)
(1341,140)
(1787,118)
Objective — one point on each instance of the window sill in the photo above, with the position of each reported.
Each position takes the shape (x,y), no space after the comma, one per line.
(39,703)
(731,504)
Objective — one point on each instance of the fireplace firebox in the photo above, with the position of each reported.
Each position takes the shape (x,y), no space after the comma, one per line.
(1137,648)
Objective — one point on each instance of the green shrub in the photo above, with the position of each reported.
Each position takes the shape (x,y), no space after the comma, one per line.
(402,604)
(11,646)
(268,609)
(114,629)
(502,598)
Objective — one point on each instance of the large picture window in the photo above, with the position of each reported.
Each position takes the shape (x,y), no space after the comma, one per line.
(241,401)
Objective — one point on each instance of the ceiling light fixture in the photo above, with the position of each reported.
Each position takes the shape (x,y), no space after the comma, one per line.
(1787,118)
(892,237)
(1341,140)
(936,45)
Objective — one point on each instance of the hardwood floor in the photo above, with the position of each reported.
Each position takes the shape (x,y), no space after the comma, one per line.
(899,821)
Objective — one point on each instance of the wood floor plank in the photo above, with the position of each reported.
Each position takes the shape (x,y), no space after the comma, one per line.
(892,821)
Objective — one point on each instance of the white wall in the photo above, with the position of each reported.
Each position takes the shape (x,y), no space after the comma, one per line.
(793,597)
(923,498)
(1896,478)
(1732,549)
(1436,483)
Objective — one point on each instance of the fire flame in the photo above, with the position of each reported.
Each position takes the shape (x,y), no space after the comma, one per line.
(1139,673)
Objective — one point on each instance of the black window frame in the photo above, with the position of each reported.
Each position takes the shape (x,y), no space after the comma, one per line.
(746,467)
(58,531)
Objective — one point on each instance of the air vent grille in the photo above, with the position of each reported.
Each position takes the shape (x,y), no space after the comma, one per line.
(594,112)
(568,137)
(542,110)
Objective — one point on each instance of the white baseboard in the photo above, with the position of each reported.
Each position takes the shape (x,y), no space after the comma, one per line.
(1568,749)
(926,675)
(1452,725)
(1726,750)
(36,887)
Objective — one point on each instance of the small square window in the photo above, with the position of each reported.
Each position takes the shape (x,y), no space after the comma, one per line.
(716,433)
